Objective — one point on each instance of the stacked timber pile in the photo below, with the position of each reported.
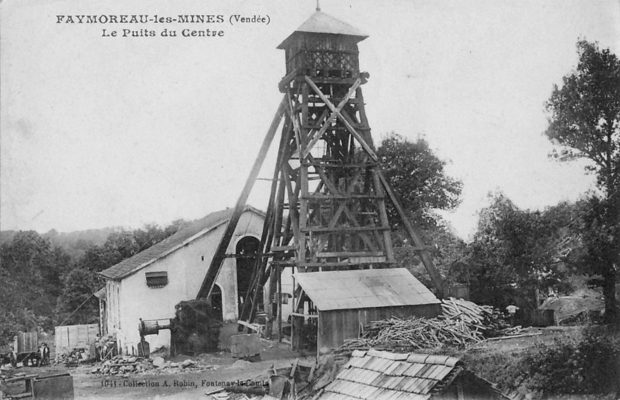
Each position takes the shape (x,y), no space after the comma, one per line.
(477,318)
(460,323)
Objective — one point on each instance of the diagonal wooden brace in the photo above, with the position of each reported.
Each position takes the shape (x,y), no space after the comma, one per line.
(346,123)
(332,117)
(220,252)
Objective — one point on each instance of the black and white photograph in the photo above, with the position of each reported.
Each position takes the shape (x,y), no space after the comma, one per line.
(310,199)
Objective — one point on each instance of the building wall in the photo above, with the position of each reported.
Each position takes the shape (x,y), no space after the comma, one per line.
(186,268)
(287,294)
(113,307)
(337,325)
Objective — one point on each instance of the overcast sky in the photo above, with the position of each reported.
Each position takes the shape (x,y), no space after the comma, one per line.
(100,132)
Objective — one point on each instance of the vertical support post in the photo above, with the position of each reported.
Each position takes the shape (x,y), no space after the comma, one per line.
(292,316)
(387,237)
(273,309)
(279,277)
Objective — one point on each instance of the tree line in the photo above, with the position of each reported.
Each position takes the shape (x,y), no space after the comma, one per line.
(43,284)
(514,256)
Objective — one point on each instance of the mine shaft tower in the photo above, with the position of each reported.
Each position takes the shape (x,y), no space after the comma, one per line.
(327,206)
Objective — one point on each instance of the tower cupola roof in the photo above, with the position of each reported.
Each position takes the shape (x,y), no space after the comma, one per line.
(319,22)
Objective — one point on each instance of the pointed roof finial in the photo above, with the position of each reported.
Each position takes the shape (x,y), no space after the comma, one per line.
(318,6)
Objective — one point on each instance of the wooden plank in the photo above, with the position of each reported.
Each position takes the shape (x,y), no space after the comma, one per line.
(254,327)
(282,248)
(350,254)
(350,329)
(346,263)
(322,196)
(218,257)
(302,315)
(345,229)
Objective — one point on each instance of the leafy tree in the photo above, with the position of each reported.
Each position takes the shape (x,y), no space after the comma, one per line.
(83,280)
(516,253)
(585,123)
(418,177)
(76,304)
(29,272)
(446,249)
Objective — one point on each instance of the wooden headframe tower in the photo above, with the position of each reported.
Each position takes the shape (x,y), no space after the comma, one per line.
(327,206)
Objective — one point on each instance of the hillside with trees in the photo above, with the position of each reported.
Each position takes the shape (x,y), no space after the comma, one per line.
(46,282)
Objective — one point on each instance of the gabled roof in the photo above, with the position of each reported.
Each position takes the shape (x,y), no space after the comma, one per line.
(319,22)
(172,243)
(376,374)
(383,375)
(367,288)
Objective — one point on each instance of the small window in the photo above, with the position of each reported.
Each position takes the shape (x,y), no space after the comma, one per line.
(156,279)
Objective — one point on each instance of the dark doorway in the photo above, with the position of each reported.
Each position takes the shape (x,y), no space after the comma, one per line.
(246,251)
(216,302)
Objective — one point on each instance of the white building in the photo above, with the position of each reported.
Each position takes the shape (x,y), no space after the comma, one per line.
(149,284)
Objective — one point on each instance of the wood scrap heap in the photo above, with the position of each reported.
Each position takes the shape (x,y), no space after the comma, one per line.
(460,323)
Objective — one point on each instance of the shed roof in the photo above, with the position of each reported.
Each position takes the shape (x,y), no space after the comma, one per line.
(380,375)
(367,288)
(319,22)
(185,235)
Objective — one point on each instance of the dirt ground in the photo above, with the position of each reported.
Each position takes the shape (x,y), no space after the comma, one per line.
(216,370)
(175,383)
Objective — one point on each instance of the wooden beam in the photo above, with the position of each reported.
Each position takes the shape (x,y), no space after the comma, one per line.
(344,229)
(387,237)
(363,235)
(330,185)
(296,314)
(346,123)
(267,233)
(417,240)
(331,119)
(218,257)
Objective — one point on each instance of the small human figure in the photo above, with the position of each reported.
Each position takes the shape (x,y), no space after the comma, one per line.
(13,357)
(44,355)
(511,310)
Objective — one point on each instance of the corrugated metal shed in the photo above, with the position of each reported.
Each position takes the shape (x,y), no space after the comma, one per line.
(385,375)
(368,288)
(319,22)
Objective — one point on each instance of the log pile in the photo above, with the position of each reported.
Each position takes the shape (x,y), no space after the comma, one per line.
(478,318)
(460,323)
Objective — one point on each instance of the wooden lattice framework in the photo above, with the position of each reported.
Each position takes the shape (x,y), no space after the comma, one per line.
(327,205)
